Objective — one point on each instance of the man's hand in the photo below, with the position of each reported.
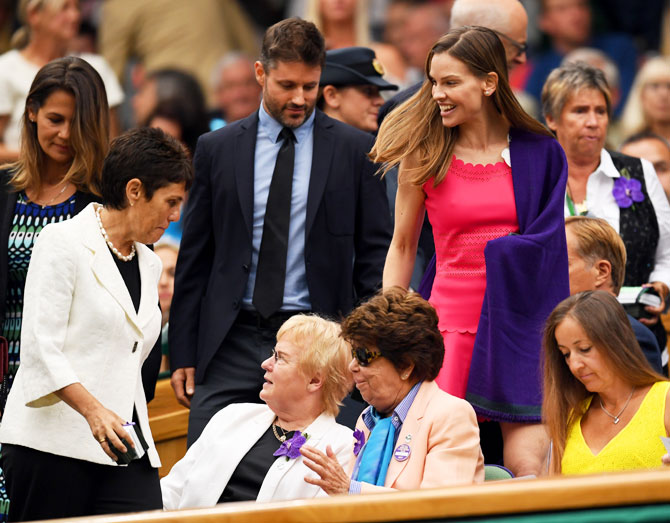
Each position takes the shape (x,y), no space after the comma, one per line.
(183,384)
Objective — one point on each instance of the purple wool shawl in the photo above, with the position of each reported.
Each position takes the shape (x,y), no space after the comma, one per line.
(526,277)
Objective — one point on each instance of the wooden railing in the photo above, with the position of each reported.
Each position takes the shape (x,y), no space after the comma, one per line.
(512,497)
(168,421)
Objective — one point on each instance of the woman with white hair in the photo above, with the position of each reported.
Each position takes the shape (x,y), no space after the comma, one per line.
(648,105)
(251,451)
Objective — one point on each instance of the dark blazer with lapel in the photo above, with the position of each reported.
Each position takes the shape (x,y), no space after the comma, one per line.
(347,233)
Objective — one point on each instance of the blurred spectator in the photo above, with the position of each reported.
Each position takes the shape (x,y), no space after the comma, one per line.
(48,30)
(654,149)
(350,85)
(167,86)
(184,119)
(599,60)
(567,23)
(597,262)
(643,24)
(648,105)
(168,255)
(424,25)
(190,36)
(86,40)
(237,94)
(397,13)
(345,23)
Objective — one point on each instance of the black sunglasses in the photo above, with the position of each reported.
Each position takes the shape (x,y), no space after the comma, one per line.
(520,48)
(364,356)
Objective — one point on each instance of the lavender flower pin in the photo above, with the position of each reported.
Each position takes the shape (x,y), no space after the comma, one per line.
(626,191)
(291,447)
(360,441)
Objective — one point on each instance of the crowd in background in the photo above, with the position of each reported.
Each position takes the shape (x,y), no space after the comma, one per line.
(594,75)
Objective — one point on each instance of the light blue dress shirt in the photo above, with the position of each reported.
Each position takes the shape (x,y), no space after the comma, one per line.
(296,293)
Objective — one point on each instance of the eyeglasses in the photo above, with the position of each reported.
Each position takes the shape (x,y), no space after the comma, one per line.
(364,356)
(520,48)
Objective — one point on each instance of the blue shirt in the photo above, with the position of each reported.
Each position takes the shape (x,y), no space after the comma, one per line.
(399,415)
(296,293)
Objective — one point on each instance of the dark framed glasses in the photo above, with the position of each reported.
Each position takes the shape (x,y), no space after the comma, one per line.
(520,48)
(364,356)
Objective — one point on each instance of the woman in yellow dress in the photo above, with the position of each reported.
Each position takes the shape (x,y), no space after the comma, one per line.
(605,408)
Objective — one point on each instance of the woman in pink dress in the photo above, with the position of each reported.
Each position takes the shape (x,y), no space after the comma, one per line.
(489,177)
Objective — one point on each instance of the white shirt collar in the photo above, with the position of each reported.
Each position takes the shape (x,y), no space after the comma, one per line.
(606,165)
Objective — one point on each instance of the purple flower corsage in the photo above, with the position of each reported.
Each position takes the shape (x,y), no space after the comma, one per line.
(359,438)
(626,191)
(291,447)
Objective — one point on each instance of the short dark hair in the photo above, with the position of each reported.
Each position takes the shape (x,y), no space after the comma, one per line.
(293,40)
(403,326)
(151,156)
(645,135)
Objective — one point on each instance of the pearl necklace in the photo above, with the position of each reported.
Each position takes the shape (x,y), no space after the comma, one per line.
(117,253)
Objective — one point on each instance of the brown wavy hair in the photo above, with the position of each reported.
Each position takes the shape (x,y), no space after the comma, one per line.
(89,133)
(607,327)
(403,326)
(414,129)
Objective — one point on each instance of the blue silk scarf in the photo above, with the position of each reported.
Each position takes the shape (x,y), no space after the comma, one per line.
(377,451)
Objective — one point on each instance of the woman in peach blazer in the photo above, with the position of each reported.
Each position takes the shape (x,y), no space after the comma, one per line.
(413,435)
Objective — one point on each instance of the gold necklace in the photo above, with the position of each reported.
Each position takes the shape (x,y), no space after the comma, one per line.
(281,438)
(43,205)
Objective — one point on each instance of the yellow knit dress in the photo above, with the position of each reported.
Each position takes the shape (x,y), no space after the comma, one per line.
(637,446)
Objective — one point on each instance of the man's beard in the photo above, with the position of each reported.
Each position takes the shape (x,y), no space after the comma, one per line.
(278,113)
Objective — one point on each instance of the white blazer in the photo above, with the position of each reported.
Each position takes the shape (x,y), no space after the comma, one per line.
(198,480)
(80,325)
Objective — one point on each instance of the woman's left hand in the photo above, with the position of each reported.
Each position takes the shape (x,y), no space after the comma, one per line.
(333,479)
(666,459)
(662,290)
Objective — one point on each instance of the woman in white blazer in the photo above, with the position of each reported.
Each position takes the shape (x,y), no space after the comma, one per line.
(250,451)
(90,318)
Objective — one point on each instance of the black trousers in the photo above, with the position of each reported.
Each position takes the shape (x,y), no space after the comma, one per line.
(46,486)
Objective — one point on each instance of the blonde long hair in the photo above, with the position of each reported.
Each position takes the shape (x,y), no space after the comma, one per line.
(633,118)
(21,36)
(89,132)
(415,129)
(607,327)
(361,20)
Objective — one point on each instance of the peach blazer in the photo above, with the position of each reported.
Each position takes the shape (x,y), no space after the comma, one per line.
(443,436)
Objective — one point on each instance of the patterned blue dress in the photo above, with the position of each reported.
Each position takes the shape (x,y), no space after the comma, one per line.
(29,220)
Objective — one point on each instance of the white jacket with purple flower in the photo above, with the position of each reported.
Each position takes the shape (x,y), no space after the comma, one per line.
(200,477)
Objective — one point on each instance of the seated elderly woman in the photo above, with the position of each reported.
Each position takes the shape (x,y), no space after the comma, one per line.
(413,435)
(604,406)
(251,451)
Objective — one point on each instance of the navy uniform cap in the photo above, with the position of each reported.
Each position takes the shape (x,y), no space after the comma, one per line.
(354,66)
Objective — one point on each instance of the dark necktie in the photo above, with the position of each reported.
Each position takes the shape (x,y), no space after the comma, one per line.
(271,271)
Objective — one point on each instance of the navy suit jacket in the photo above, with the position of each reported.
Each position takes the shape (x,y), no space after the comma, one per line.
(347,233)
(647,341)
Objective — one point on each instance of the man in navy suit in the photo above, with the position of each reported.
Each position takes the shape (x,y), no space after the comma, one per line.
(285,216)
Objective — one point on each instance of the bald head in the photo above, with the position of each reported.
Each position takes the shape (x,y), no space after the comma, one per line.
(507,17)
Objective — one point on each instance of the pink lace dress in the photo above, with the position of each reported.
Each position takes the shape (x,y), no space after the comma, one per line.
(472,205)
